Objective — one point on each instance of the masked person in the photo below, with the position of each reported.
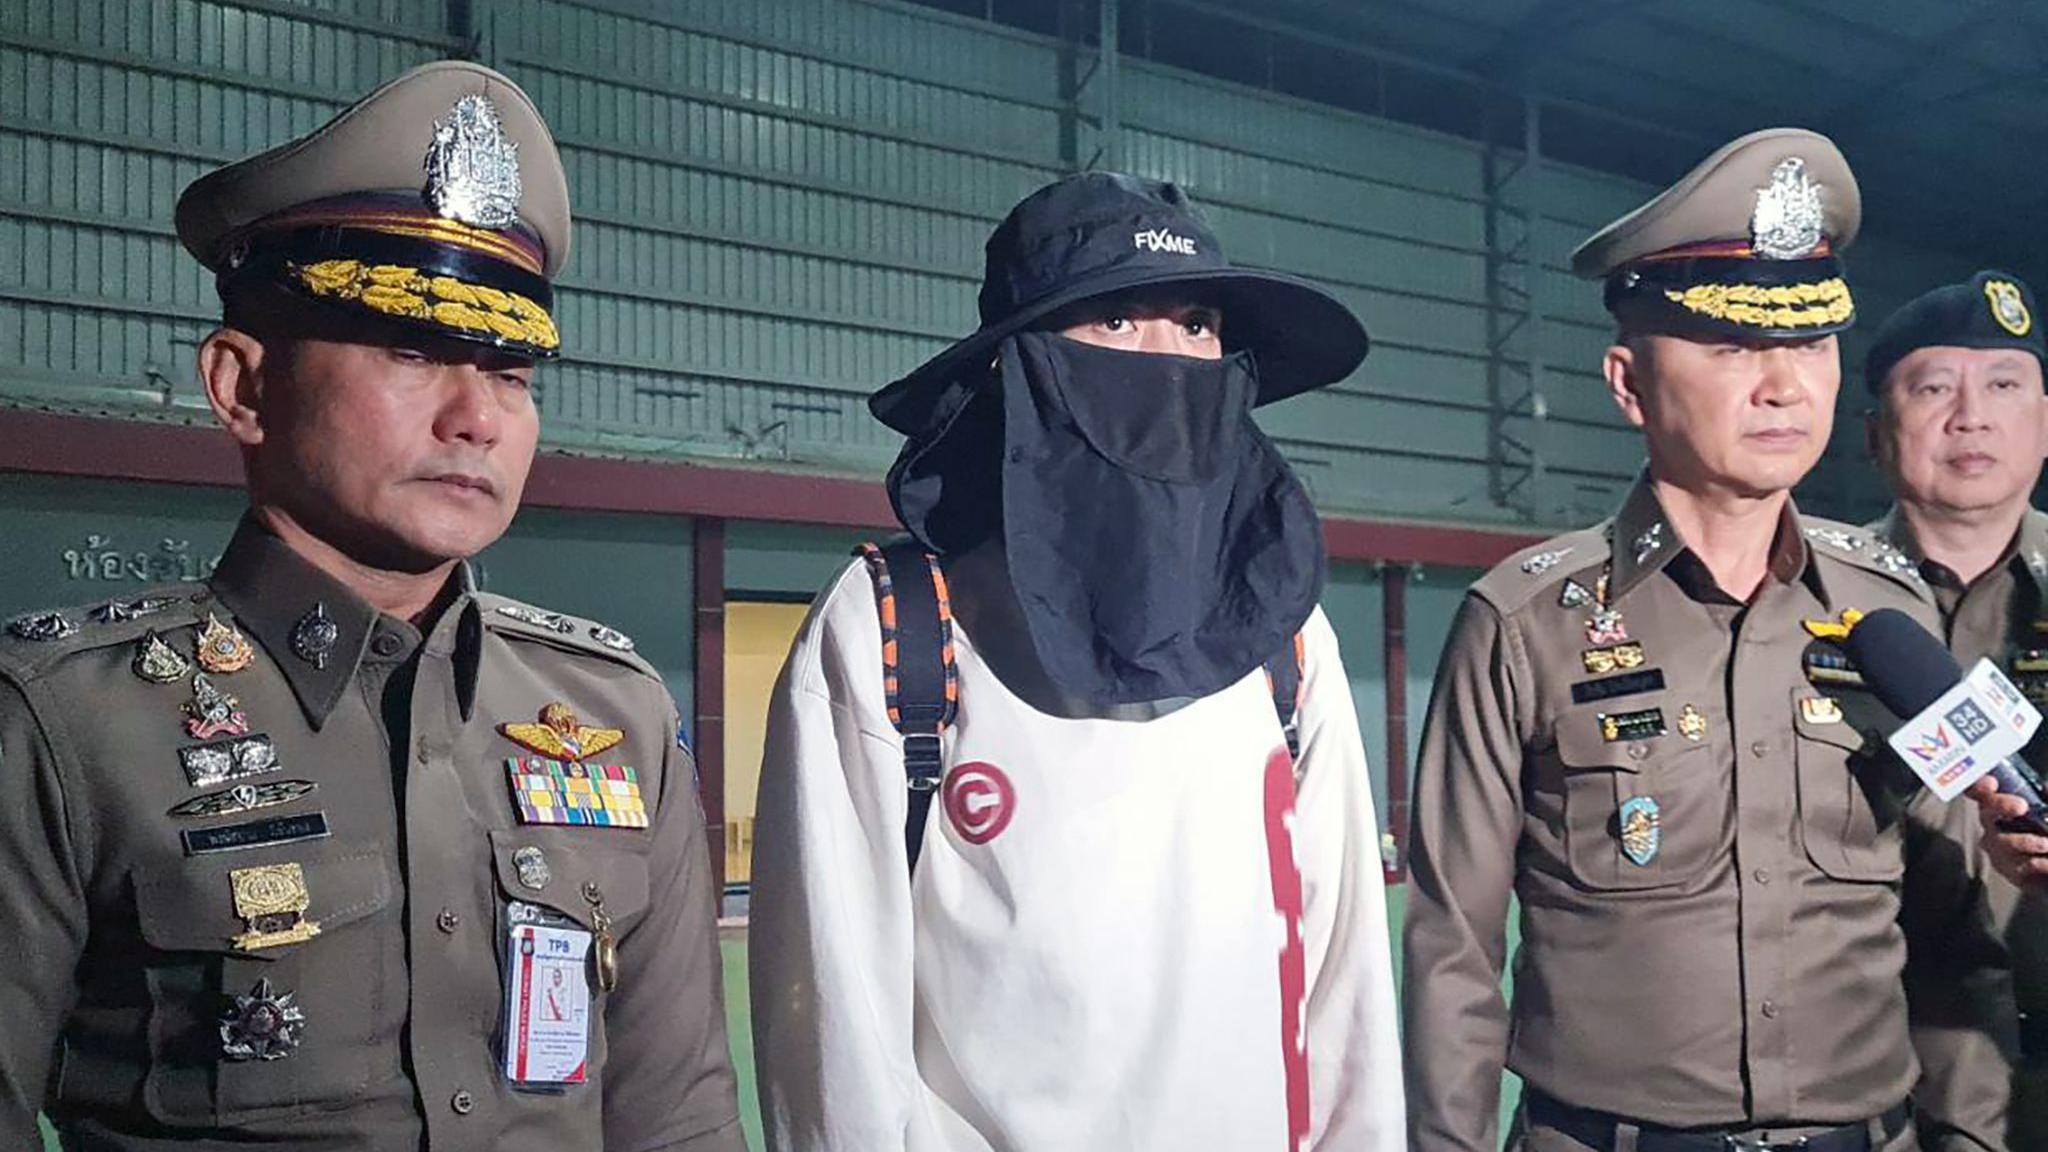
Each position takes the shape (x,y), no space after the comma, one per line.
(1131,917)
(1960,429)
(335,850)
(1649,731)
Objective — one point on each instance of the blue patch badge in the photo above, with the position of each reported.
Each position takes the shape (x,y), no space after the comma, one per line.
(1641,830)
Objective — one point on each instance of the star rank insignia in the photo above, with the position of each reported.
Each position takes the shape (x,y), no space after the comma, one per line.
(43,626)
(1543,562)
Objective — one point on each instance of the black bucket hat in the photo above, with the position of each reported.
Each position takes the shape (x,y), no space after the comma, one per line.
(1099,233)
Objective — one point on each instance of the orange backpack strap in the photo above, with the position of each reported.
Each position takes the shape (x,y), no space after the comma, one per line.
(920,678)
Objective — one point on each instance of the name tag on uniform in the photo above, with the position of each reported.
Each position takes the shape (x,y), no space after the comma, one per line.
(547,1000)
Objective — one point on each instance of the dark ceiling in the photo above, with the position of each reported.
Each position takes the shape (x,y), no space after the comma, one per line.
(1939,106)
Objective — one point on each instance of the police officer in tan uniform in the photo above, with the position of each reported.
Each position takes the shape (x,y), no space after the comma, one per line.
(335,850)
(1650,733)
(1960,429)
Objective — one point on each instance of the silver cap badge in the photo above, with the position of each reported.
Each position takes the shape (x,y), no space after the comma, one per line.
(472,169)
(1786,223)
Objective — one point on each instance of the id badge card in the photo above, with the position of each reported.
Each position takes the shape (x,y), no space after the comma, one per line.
(547,999)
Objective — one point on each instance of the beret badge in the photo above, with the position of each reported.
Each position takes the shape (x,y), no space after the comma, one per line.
(2007,307)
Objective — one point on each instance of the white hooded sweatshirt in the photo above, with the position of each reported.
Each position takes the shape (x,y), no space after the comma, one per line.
(1134,929)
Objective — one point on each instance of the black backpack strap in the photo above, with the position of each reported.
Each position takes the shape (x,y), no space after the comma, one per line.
(1283,677)
(919,676)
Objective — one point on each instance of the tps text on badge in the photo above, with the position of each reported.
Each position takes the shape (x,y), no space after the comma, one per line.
(1967,731)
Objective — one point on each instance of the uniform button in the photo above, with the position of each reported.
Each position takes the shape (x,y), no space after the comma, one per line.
(1639,750)
(1763,875)
(425,752)
(386,644)
(1771,1009)
(463,1103)
(447,921)
(1759,748)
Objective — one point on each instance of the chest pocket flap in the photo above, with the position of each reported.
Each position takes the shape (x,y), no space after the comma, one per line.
(563,869)
(1852,790)
(192,908)
(1639,814)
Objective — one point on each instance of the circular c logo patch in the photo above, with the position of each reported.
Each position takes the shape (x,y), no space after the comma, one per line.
(979,801)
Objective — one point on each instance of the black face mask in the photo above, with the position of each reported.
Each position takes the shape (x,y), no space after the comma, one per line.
(1157,543)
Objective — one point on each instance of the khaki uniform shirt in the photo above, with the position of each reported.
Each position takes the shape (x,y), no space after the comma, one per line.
(2002,615)
(1719,871)
(131,922)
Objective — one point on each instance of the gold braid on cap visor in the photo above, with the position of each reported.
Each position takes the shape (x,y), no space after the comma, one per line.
(1770,305)
(406,292)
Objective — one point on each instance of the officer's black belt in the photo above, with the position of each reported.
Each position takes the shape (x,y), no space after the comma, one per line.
(2034,1034)
(1598,1130)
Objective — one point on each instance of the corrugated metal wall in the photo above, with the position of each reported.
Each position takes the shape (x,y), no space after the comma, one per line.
(781,205)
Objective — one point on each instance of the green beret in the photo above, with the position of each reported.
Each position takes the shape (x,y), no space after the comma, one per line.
(1989,310)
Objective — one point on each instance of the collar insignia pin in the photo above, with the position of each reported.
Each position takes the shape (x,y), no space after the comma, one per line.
(313,637)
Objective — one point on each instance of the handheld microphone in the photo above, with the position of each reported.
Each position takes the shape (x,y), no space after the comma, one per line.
(1910,672)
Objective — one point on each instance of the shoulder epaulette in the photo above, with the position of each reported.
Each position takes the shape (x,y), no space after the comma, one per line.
(1862,548)
(504,614)
(1521,577)
(35,640)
